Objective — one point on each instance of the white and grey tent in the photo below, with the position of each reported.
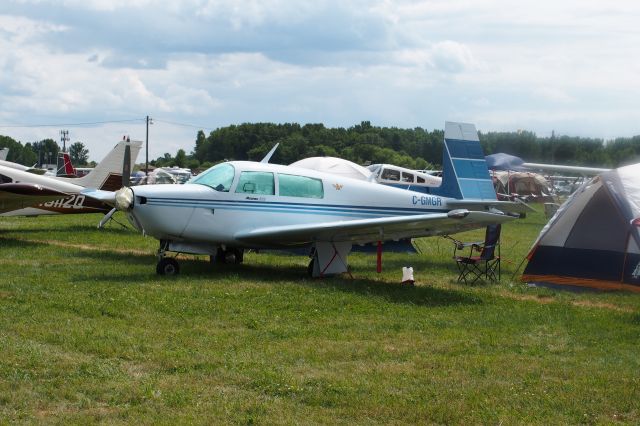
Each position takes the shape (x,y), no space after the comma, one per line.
(593,240)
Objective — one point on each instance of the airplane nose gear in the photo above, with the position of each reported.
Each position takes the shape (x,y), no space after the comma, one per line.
(168,266)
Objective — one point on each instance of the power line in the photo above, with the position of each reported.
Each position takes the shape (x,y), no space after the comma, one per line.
(183,124)
(90,123)
(93,123)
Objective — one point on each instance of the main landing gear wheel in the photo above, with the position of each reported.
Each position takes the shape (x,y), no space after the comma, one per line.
(230,255)
(168,266)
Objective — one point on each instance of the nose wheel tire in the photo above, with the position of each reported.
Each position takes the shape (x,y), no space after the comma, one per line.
(168,266)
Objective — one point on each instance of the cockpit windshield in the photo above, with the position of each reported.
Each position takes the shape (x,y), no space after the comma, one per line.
(218,177)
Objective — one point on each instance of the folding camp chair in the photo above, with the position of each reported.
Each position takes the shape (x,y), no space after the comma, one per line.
(483,265)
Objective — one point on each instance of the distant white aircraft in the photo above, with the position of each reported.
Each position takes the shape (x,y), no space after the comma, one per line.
(26,194)
(585,171)
(502,161)
(239,205)
(387,174)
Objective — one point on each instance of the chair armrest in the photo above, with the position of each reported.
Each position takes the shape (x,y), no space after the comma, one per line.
(459,246)
(476,244)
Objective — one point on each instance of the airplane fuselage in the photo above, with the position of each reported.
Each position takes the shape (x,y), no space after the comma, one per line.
(198,212)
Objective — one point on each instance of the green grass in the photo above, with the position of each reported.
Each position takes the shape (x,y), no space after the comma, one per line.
(89,333)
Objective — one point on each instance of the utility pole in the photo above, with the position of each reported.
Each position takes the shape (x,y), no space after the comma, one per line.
(146,166)
(64,138)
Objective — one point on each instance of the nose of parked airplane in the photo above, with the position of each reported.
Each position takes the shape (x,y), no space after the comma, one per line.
(124,198)
(162,211)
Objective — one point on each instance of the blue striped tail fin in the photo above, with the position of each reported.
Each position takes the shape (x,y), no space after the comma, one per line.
(464,170)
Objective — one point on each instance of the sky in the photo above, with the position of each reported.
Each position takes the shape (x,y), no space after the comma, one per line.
(98,67)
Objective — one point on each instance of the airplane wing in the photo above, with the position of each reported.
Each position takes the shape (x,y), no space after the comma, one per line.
(589,171)
(14,196)
(371,230)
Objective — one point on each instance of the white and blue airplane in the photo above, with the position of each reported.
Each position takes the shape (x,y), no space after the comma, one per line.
(240,205)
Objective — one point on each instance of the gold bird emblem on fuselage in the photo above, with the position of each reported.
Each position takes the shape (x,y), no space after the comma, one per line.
(337,186)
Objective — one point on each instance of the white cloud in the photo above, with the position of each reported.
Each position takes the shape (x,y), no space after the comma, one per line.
(452,57)
(535,65)
(19,29)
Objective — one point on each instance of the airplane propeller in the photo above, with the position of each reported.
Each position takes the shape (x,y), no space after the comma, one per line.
(126,166)
(106,218)
(126,181)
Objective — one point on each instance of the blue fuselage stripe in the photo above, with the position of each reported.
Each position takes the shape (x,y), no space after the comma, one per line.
(297,208)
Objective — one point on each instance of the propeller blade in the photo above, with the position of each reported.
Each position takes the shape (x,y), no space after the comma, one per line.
(126,166)
(106,218)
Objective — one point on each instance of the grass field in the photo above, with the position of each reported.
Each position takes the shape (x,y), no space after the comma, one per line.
(89,333)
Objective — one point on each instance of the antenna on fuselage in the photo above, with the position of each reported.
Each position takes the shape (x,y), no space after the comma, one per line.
(269,154)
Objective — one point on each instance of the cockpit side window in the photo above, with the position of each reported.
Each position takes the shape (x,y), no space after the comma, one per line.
(390,174)
(256,183)
(5,179)
(300,186)
(218,177)
(407,177)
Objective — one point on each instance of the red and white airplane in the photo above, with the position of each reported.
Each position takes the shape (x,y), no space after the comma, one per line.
(27,194)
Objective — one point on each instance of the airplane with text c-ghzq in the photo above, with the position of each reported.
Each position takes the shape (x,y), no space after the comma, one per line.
(27,194)
(240,205)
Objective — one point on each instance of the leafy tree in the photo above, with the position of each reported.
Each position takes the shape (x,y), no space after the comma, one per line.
(79,154)
(46,150)
(200,149)
(17,152)
(180,159)
(193,163)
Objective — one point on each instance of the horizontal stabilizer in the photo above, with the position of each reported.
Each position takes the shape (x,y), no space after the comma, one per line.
(488,205)
(107,197)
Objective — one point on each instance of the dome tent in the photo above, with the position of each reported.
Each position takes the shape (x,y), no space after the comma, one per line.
(593,240)
(531,185)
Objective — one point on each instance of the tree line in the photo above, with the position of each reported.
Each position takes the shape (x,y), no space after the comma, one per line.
(416,148)
(363,143)
(43,152)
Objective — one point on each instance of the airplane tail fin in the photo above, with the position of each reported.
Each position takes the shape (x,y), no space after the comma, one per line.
(65,168)
(107,175)
(464,170)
